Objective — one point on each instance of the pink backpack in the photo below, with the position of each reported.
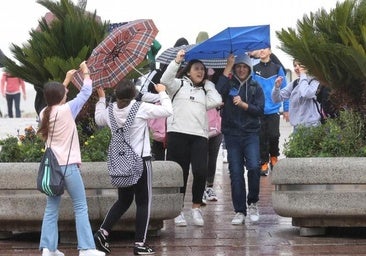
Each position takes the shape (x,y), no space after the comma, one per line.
(158,128)
(214,122)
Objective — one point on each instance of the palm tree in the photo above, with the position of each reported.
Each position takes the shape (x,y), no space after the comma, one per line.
(332,45)
(56,46)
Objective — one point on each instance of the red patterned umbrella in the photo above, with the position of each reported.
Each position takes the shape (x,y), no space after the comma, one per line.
(121,51)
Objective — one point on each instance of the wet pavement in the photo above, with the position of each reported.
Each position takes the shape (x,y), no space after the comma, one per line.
(271,235)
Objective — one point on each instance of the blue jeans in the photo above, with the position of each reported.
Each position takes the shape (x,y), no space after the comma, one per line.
(243,151)
(75,187)
(10,98)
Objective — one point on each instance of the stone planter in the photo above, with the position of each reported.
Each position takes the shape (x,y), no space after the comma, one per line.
(22,206)
(320,192)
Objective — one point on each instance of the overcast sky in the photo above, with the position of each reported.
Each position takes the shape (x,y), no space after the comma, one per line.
(174,20)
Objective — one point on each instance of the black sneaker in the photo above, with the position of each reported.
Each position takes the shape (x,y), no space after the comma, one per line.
(101,242)
(143,250)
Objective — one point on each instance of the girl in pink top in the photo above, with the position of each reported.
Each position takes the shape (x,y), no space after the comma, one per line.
(11,88)
(57,122)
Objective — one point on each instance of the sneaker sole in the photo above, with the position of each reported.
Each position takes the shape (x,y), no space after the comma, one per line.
(144,253)
(180,224)
(237,223)
(198,224)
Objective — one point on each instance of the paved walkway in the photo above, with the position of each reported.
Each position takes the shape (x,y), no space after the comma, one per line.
(272,235)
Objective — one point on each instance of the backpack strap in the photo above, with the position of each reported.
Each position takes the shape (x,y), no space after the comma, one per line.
(295,83)
(181,85)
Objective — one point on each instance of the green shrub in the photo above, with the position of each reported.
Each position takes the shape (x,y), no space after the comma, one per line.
(30,148)
(23,149)
(343,136)
(95,147)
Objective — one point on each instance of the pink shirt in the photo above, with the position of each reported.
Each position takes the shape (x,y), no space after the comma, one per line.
(65,129)
(11,85)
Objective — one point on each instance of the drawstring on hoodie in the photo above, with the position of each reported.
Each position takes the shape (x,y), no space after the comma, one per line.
(241,85)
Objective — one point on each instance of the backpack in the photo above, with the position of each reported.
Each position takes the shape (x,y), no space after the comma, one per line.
(158,128)
(51,178)
(125,166)
(158,125)
(214,122)
(323,103)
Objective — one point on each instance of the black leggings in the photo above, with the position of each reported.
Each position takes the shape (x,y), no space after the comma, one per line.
(190,151)
(142,191)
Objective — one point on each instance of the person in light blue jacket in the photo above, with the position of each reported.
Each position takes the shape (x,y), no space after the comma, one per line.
(301,92)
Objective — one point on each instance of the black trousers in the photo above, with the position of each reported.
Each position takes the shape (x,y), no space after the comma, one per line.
(190,151)
(142,192)
(269,137)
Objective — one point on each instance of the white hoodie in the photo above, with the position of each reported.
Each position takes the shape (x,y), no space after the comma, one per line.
(190,104)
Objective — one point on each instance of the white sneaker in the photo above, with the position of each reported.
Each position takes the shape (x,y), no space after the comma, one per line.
(46,252)
(197,217)
(180,221)
(238,219)
(91,252)
(210,194)
(253,212)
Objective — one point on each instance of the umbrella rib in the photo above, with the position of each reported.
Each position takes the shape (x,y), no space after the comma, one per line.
(231,43)
(144,75)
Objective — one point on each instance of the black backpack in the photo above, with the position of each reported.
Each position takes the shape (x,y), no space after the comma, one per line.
(323,103)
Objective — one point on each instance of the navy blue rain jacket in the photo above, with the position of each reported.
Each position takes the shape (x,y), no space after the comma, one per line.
(235,120)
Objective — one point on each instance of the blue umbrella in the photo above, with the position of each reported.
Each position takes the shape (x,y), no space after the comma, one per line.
(235,40)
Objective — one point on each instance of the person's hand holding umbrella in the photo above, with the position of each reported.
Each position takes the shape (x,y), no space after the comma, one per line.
(159,87)
(229,65)
(84,68)
(100,92)
(70,74)
(180,56)
(68,77)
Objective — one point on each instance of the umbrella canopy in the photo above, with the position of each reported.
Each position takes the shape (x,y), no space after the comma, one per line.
(121,51)
(169,54)
(235,40)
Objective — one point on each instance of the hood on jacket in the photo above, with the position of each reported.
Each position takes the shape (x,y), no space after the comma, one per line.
(244,59)
(247,61)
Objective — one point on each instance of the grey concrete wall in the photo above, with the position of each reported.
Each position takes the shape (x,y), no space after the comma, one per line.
(22,206)
(321,192)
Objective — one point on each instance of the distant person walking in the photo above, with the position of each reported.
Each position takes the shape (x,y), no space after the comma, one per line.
(11,88)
